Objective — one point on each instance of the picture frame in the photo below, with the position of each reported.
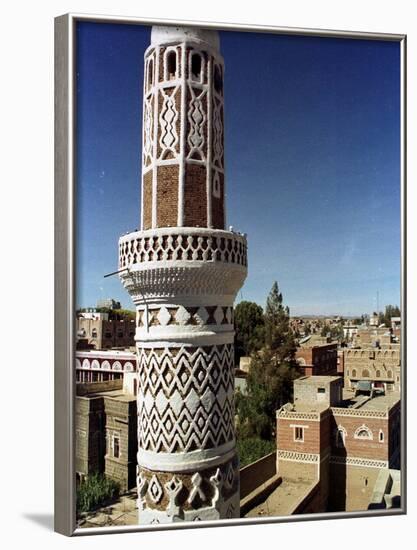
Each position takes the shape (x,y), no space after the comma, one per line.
(65,261)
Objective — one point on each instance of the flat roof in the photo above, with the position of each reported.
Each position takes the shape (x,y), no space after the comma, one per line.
(119,395)
(366,403)
(314,380)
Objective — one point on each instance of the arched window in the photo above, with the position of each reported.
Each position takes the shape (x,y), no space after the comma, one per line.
(340,436)
(196,65)
(389,374)
(171,65)
(150,74)
(378,374)
(353,373)
(363,432)
(381,436)
(94,333)
(365,373)
(218,79)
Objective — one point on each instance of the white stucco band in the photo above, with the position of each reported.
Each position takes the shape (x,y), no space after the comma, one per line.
(186,462)
(166,35)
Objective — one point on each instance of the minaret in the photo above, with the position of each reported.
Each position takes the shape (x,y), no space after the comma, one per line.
(183,271)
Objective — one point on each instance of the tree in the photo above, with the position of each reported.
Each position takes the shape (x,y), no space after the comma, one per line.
(278,334)
(271,374)
(390,311)
(249,329)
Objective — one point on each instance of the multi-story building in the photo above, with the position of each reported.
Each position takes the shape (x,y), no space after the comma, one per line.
(337,447)
(103,333)
(103,365)
(381,367)
(316,359)
(105,432)
(108,303)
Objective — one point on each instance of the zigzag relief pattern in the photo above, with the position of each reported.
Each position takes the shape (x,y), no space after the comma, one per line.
(218,133)
(196,120)
(167,119)
(148,132)
(186,316)
(186,398)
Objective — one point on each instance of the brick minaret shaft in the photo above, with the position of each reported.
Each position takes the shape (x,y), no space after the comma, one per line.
(183,157)
(183,271)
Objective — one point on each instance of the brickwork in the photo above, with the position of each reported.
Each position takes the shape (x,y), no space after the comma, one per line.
(195,196)
(286,436)
(98,419)
(362,447)
(89,435)
(344,447)
(189,130)
(121,422)
(378,365)
(218,218)
(102,334)
(167,196)
(147,200)
(318,360)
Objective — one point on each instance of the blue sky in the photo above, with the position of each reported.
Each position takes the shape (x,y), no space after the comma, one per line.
(312,139)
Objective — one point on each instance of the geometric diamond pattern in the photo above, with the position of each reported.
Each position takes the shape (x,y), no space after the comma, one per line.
(185,398)
(179,315)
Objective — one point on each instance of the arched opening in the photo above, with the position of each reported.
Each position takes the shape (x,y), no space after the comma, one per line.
(365,373)
(150,73)
(196,66)
(171,65)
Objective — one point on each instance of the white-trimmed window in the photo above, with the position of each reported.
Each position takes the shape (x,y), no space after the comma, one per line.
(196,66)
(149,74)
(170,64)
(363,432)
(115,445)
(299,434)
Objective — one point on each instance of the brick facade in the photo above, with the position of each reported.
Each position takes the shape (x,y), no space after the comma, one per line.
(102,414)
(102,334)
(377,365)
(343,448)
(318,360)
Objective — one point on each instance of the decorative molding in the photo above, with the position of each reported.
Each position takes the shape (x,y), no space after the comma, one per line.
(182,244)
(296,415)
(363,462)
(294,456)
(363,432)
(338,411)
(198,316)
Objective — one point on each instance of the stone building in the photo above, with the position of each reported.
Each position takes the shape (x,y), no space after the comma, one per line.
(103,365)
(337,446)
(381,367)
(108,303)
(317,359)
(103,333)
(183,270)
(105,432)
